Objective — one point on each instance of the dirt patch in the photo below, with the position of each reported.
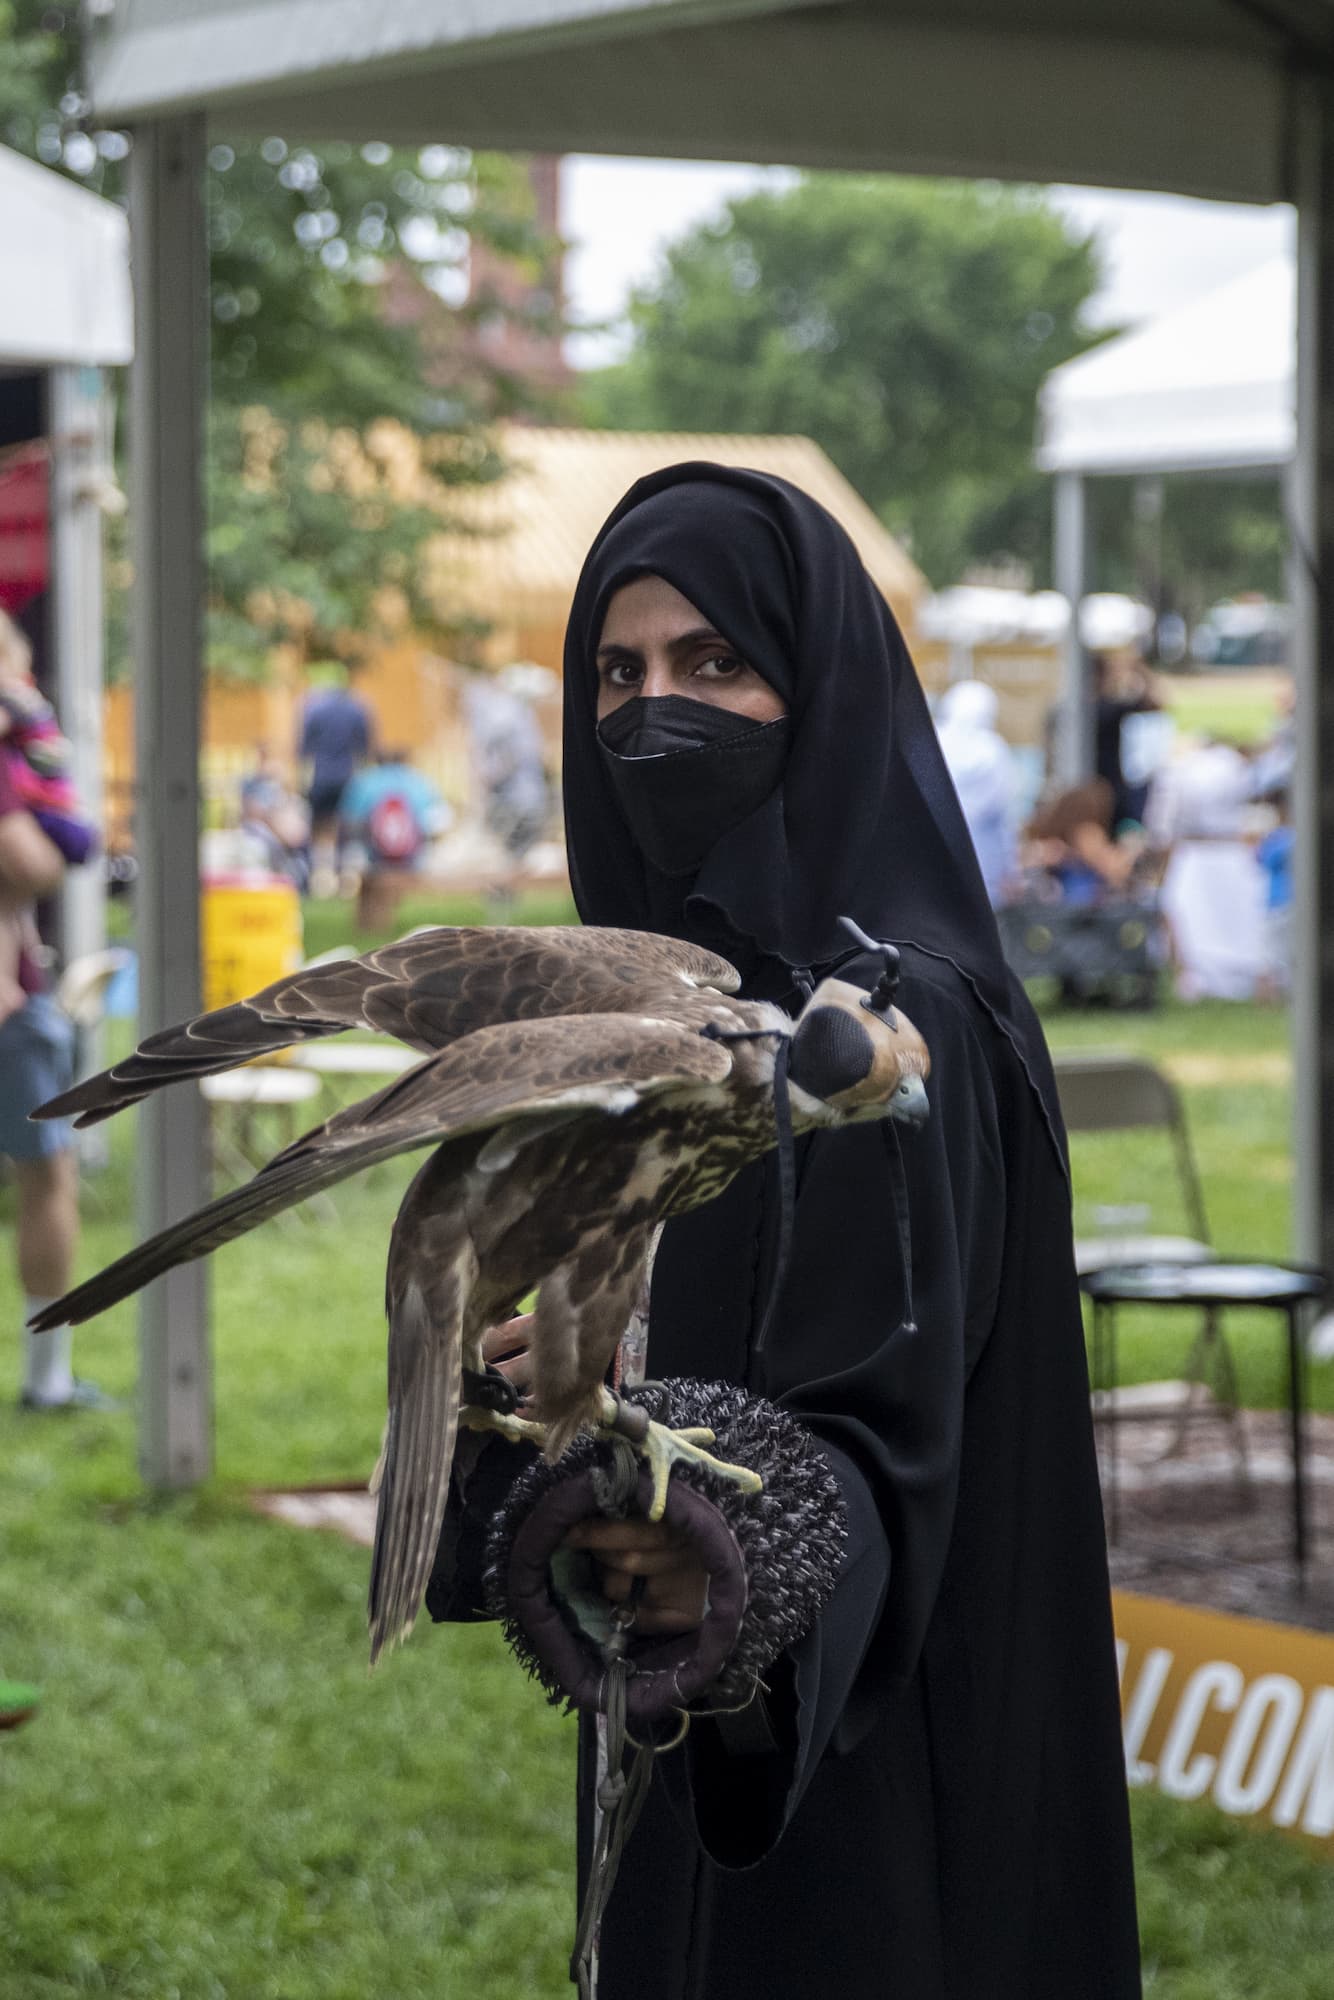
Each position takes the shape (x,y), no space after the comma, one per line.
(1205,1513)
(348,1510)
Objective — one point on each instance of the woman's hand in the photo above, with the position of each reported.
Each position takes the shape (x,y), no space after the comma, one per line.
(676,1581)
(508,1348)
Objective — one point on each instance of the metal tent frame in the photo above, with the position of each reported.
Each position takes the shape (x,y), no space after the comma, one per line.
(1232,99)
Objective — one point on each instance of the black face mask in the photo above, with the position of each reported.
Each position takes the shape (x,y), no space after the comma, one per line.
(686,772)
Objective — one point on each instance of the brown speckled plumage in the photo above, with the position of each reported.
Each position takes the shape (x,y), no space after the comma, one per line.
(573,1103)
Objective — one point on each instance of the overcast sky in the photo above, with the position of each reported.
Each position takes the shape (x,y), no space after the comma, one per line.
(1159,250)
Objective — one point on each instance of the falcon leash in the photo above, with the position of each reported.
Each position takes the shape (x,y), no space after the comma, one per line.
(787,1156)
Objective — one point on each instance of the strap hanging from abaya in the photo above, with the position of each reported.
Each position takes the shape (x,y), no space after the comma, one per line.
(787,1158)
(898,1181)
(787,1187)
(787,1178)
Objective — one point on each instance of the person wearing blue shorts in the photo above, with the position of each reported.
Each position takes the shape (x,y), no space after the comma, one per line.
(36,1062)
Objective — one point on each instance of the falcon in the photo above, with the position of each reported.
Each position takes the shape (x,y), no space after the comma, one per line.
(580,1086)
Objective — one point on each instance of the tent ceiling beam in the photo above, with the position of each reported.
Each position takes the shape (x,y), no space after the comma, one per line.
(1303,27)
(832,85)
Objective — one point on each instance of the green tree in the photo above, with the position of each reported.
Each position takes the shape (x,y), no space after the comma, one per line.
(1211,538)
(905,325)
(301,239)
(347,398)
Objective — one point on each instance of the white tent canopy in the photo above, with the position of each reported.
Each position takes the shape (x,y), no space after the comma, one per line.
(1185,94)
(66,292)
(1211,386)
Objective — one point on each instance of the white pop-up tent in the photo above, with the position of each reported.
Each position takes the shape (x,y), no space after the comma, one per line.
(66,313)
(1209,387)
(65,300)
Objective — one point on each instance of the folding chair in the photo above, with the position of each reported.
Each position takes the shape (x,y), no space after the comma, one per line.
(1118,1093)
(1113,1092)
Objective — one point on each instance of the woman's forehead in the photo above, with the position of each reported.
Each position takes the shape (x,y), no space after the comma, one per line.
(648,610)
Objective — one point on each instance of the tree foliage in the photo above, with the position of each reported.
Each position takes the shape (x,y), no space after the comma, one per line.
(300,242)
(1213,537)
(319,536)
(905,325)
(334,356)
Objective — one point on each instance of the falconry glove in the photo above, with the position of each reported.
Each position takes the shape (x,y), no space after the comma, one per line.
(772,1557)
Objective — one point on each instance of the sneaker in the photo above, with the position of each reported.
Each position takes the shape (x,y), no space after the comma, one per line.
(82,1396)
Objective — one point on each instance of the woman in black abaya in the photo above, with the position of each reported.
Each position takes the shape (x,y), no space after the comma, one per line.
(934,1807)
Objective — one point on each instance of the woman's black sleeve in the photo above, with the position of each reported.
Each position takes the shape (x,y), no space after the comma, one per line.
(878,1374)
(484,1470)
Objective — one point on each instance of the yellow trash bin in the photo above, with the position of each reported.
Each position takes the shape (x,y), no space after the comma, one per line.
(251,934)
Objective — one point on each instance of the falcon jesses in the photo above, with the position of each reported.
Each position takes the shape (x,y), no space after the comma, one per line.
(579,1087)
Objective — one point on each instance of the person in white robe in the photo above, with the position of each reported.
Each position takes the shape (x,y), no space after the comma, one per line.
(982,765)
(1213,889)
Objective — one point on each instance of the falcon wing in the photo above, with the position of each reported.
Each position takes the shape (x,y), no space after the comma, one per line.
(428,990)
(510,1081)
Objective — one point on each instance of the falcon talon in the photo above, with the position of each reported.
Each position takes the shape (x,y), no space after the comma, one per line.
(665,1448)
(515,1430)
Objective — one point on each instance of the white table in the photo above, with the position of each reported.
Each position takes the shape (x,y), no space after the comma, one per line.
(256,1084)
(237,1096)
(354,1058)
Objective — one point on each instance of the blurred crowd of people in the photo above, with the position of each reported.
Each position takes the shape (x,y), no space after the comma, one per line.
(1191,831)
(364,807)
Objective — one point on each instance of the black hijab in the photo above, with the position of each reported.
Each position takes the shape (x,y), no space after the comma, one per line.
(865,823)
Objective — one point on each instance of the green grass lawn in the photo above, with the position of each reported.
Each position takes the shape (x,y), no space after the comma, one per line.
(216,1802)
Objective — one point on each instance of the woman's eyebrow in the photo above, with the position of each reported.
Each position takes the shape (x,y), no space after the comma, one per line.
(699,635)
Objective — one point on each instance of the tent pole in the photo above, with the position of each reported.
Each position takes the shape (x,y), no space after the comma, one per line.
(167,389)
(1311,514)
(1073,749)
(79,426)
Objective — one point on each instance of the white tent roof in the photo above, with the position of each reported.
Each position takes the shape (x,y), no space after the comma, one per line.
(66,291)
(1193,95)
(1208,387)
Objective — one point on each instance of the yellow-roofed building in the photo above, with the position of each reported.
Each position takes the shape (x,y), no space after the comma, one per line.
(506,584)
(534,527)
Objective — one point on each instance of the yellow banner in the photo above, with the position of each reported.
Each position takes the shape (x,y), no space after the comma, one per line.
(1229,1709)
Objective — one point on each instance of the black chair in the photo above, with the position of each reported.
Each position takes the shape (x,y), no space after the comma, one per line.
(1291,1290)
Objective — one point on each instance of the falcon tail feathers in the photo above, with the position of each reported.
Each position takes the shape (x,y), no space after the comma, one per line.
(425,1387)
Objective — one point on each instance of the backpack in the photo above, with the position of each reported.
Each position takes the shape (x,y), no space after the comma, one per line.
(392,831)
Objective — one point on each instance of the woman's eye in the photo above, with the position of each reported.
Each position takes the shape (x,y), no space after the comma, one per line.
(622,673)
(721,667)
